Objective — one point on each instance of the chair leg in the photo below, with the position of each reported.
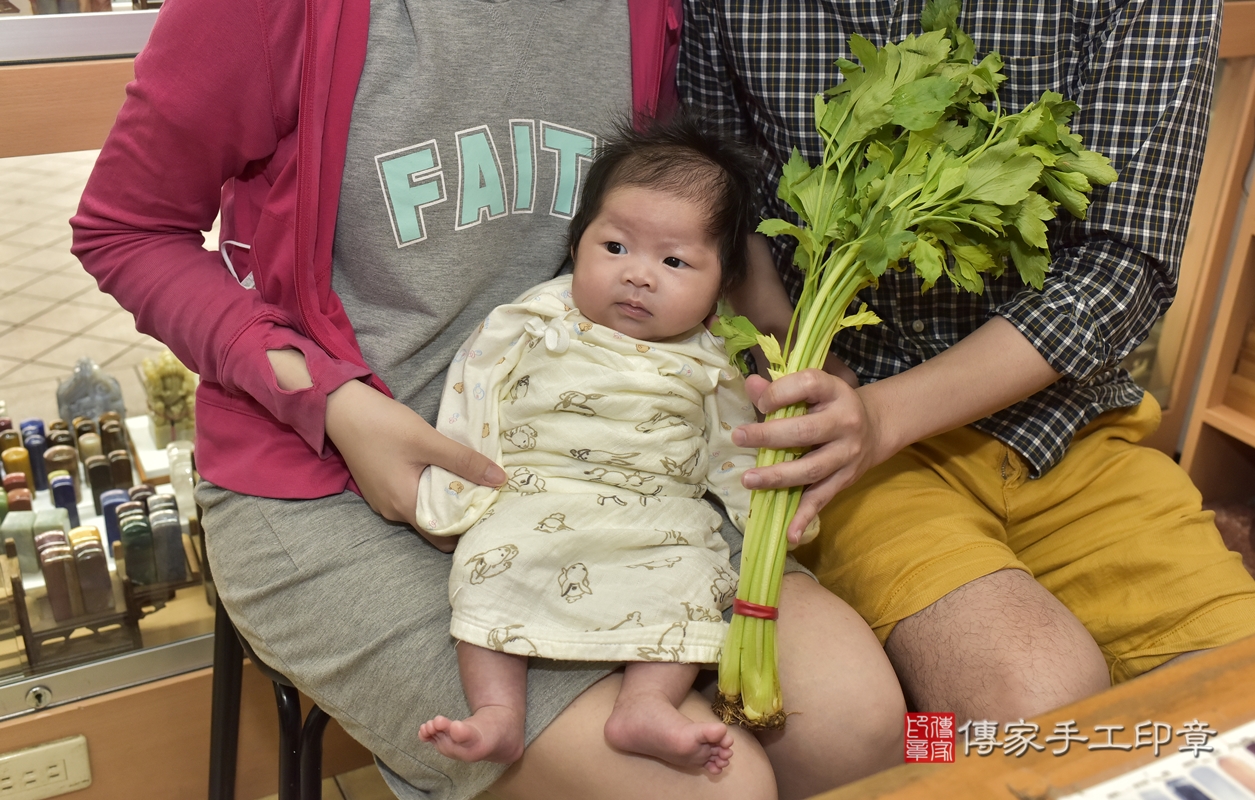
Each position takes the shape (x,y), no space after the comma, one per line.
(289,701)
(311,753)
(224,731)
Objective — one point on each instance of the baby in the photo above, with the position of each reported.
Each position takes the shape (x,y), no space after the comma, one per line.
(611,408)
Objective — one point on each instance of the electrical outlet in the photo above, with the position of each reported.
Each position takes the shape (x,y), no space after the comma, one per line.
(45,770)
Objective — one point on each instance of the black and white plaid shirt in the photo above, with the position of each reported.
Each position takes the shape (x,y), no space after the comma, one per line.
(1141,71)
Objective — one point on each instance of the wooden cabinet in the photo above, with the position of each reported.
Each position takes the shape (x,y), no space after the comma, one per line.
(60,107)
(1219,444)
(1183,335)
(1219,451)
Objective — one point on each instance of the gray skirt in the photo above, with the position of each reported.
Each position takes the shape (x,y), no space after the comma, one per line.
(354,610)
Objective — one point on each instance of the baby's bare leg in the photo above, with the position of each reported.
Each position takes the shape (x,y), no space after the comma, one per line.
(496,690)
(646,719)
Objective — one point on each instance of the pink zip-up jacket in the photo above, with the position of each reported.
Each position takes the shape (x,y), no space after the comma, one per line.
(247,103)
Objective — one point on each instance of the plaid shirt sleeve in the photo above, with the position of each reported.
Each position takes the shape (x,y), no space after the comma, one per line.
(1144,89)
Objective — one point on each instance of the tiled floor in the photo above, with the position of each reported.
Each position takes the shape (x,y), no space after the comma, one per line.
(360,784)
(51,313)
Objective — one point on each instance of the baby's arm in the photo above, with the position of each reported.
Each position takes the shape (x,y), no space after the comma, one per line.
(726,408)
(448,505)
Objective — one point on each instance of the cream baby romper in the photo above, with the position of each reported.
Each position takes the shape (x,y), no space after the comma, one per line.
(600,547)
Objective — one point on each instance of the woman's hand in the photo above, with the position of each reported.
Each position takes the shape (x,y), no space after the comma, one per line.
(841,427)
(387,446)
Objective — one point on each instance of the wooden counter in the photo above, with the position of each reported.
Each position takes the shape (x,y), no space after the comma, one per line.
(1217,687)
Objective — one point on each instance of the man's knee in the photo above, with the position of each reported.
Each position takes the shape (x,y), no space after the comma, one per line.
(1001,645)
(1003,691)
(1019,693)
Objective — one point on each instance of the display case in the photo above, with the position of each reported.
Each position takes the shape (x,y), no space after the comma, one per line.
(98,551)
(62,79)
(93,545)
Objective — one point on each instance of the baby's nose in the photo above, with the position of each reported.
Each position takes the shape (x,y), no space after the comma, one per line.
(640,276)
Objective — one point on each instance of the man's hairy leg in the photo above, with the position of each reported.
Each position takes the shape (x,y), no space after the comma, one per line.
(1000,647)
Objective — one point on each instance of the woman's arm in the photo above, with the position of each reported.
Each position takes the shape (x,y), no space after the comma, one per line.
(386,445)
(213,101)
(727,408)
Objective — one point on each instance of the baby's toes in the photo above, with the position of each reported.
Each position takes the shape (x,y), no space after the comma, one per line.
(716,734)
(461,732)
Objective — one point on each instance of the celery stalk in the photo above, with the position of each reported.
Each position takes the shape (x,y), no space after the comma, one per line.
(917,171)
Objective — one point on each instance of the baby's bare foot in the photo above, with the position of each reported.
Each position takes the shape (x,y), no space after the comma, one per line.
(651,726)
(493,733)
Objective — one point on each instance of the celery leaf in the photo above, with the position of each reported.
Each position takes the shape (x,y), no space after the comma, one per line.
(738,334)
(999,176)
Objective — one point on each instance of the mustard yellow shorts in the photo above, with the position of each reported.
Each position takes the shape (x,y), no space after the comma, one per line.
(1115,531)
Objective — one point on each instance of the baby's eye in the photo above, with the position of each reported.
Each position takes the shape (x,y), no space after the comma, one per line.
(616,248)
(672,261)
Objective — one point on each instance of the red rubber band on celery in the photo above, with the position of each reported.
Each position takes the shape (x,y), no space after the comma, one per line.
(747,609)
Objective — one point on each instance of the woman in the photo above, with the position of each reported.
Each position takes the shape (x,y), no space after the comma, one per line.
(386,174)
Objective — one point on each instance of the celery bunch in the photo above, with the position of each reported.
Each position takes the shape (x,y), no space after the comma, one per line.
(917,169)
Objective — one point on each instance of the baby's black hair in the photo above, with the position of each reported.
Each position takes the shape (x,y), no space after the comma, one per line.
(691,158)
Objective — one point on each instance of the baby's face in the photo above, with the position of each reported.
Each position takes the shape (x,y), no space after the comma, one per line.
(646,265)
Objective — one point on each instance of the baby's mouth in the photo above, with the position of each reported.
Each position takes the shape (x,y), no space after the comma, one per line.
(633,310)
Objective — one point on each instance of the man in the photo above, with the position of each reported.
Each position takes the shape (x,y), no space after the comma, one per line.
(985,506)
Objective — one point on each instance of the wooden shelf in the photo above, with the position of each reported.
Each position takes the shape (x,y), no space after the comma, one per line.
(1232,422)
(1219,446)
(54,108)
(1237,37)
(1187,327)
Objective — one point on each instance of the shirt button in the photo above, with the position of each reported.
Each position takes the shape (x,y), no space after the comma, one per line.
(918,326)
